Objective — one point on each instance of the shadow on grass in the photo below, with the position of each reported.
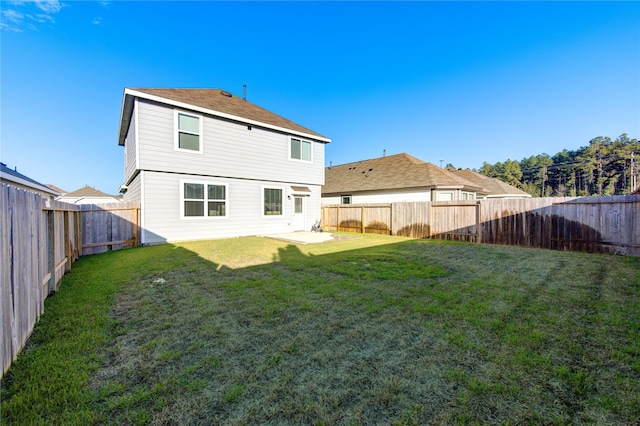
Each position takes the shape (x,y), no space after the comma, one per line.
(256,331)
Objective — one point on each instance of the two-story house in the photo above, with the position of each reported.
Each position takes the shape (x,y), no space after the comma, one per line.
(204,163)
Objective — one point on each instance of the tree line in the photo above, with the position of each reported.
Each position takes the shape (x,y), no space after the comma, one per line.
(604,167)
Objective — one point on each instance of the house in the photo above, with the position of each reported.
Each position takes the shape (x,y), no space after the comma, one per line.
(204,163)
(56,189)
(492,187)
(88,195)
(12,177)
(394,178)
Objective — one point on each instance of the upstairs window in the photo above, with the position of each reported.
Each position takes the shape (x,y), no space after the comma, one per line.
(188,135)
(204,200)
(300,150)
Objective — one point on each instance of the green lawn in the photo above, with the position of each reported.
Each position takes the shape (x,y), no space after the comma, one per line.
(377,329)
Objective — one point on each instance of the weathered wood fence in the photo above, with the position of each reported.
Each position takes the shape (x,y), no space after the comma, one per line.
(591,224)
(40,239)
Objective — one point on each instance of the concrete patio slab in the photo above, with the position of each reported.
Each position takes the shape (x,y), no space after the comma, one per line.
(310,237)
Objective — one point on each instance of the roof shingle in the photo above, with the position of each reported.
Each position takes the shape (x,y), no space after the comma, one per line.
(88,191)
(491,185)
(390,172)
(220,101)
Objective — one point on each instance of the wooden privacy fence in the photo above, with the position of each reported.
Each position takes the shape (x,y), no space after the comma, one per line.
(366,218)
(592,224)
(40,239)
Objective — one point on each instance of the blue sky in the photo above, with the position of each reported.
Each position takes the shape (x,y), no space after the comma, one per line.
(465,82)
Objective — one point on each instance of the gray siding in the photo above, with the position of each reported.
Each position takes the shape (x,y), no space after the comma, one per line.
(161,209)
(230,150)
(133,191)
(130,146)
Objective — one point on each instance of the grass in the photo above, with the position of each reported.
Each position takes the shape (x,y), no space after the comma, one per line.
(370,330)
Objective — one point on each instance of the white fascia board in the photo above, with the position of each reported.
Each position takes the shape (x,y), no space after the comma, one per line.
(122,117)
(447,187)
(508,196)
(220,114)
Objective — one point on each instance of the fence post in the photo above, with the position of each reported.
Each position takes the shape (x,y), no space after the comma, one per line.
(78,225)
(478,222)
(136,213)
(67,242)
(362,219)
(51,251)
(430,233)
(338,219)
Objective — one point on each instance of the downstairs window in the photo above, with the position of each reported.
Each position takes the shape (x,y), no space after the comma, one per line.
(204,200)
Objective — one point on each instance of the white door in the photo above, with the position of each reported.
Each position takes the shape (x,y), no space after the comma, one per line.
(298,213)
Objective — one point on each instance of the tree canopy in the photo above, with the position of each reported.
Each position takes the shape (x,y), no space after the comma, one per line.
(604,167)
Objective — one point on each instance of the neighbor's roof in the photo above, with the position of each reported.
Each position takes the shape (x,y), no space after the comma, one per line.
(491,185)
(20,179)
(56,188)
(213,102)
(390,172)
(87,192)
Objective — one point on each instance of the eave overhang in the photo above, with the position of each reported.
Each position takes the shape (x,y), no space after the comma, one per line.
(130,95)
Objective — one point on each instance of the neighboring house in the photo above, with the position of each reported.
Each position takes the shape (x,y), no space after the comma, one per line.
(88,195)
(204,163)
(56,189)
(393,178)
(492,187)
(12,177)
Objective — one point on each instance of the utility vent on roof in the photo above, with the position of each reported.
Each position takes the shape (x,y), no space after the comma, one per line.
(224,93)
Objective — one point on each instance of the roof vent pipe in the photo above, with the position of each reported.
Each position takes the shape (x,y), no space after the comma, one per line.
(384,152)
(244,96)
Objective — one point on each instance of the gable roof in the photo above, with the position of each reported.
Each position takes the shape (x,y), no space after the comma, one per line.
(215,102)
(492,186)
(87,192)
(19,179)
(390,172)
(56,188)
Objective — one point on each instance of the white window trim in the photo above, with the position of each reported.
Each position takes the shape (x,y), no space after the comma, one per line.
(284,197)
(299,159)
(206,199)
(472,194)
(176,139)
(436,193)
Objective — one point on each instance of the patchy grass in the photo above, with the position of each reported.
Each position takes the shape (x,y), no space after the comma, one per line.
(372,330)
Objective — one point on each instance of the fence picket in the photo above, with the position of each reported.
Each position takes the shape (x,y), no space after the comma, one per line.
(28,263)
(593,224)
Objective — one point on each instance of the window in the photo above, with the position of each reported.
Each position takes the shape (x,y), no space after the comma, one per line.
(217,200)
(300,150)
(444,196)
(345,199)
(272,205)
(297,209)
(199,198)
(468,195)
(188,131)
